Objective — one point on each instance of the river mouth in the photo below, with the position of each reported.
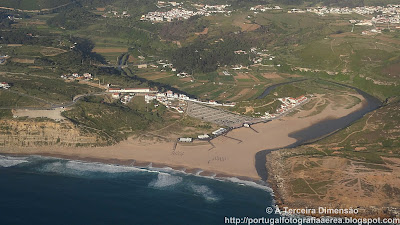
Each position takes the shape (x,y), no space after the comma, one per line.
(318,130)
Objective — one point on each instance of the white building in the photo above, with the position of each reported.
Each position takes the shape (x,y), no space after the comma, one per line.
(4,85)
(203,136)
(185,139)
(219,131)
(130,90)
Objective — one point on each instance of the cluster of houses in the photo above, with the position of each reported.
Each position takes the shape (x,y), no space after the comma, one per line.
(260,56)
(115,14)
(296,11)
(77,76)
(4,85)
(125,95)
(288,103)
(181,13)
(264,8)
(385,19)
(163,64)
(182,75)
(162,4)
(365,10)
(177,101)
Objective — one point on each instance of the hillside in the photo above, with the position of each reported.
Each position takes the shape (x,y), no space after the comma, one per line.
(356,167)
(33,4)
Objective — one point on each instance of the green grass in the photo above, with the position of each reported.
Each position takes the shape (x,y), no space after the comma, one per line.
(53,90)
(5,114)
(299,186)
(9,99)
(32,4)
(114,122)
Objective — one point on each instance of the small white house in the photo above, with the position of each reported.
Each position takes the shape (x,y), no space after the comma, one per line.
(185,140)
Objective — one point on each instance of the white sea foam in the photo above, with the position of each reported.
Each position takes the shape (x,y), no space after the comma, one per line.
(85,168)
(165,180)
(205,192)
(102,168)
(6,161)
(249,183)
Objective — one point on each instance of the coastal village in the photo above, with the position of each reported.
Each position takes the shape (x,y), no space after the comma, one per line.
(76,76)
(182,103)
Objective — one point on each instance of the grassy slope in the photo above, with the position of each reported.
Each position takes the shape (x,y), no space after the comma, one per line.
(33,4)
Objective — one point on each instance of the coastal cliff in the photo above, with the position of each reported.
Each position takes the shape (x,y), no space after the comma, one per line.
(35,133)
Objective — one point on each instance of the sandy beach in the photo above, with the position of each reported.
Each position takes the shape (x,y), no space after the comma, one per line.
(230,155)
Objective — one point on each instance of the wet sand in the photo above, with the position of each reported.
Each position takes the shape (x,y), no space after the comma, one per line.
(230,155)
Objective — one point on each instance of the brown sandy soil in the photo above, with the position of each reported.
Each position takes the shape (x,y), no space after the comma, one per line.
(14,45)
(49,51)
(93,84)
(242,93)
(393,70)
(387,39)
(100,9)
(249,27)
(346,34)
(110,50)
(233,155)
(290,75)
(205,31)
(249,109)
(241,76)
(131,59)
(155,75)
(271,76)
(187,79)
(19,60)
(52,114)
(254,78)
(245,24)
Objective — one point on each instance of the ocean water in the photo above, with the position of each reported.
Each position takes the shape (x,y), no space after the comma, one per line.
(44,190)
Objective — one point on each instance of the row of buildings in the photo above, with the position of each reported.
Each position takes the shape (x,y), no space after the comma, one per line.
(366,10)
(264,8)
(214,134)
(170,99)
(163,4)
(115,14)
(288,103)
(125,95)
(77,76)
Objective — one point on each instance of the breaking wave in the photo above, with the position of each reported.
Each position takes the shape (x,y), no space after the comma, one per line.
(6,161)
(249,184)
(165,180)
